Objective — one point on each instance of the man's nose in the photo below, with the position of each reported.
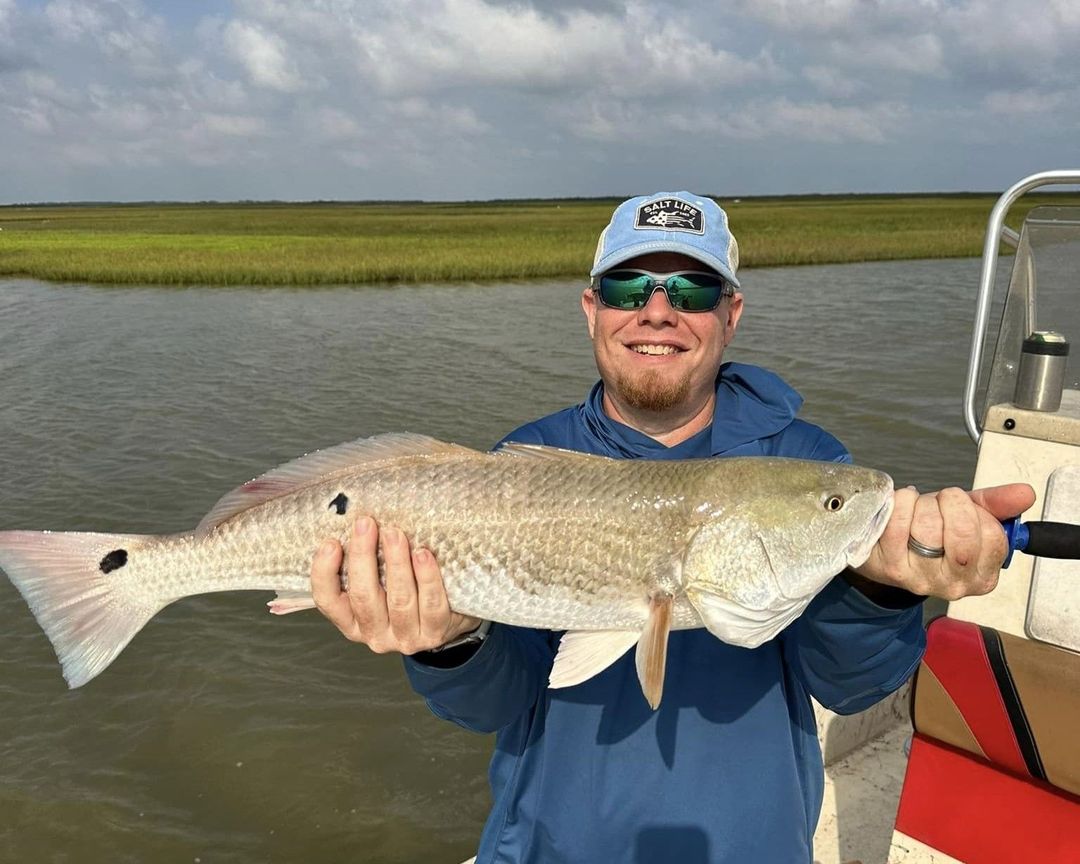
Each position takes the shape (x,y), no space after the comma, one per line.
(658,310)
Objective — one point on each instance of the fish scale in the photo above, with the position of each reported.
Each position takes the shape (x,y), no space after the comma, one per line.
(532,536)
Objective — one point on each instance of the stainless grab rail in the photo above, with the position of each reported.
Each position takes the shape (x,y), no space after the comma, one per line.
(996,231)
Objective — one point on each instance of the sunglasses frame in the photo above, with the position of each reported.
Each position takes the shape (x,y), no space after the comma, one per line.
(659,281)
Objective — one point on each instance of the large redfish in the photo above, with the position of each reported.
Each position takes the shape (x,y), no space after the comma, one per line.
(616,552)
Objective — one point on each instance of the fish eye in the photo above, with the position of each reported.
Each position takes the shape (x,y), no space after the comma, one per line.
(834,503)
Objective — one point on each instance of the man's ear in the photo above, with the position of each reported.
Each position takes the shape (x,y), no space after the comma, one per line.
(734,313)
(588,306)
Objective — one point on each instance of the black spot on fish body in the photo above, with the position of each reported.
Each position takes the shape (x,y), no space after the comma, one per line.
(114,560)
(340,503)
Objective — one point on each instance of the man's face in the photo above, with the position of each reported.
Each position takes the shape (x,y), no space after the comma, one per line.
(656,358)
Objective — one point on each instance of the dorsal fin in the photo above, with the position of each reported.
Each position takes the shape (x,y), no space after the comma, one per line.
(317,466)
(543,451)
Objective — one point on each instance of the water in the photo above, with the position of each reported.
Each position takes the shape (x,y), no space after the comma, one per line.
(226,735)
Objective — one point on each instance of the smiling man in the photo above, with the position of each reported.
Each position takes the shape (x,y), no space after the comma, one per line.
(728,769)
(660,362)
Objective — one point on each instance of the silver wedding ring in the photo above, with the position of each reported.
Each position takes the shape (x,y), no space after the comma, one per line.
(926,551)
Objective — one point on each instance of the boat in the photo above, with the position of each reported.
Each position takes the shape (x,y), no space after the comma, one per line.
(977,759)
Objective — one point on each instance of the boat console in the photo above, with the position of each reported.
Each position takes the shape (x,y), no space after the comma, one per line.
(994,769)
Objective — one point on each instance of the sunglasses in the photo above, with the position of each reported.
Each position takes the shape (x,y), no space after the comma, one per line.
(687,291)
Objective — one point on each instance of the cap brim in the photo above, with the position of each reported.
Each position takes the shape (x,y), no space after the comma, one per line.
(624,254)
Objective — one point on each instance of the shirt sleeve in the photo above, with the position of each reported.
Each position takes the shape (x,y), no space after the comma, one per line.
(498,683)
(849,652)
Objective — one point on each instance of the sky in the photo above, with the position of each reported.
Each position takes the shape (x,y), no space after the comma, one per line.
(129,100)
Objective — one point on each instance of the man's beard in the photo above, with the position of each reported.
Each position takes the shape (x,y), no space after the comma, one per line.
(649,391)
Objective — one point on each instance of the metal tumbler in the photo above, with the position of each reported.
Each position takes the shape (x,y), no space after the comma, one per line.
(1041,376)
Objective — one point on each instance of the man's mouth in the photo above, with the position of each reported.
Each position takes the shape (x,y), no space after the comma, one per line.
(655,350)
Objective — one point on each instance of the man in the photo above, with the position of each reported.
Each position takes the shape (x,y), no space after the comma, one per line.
(729,768)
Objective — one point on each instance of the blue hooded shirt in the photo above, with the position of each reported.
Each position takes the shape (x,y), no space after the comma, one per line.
(729,768)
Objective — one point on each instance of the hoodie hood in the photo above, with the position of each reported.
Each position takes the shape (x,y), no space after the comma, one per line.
(751,403)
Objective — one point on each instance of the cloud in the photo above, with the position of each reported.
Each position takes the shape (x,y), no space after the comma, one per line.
(1030,101)
(747,122)
(121,31)
(332,125)
(417,48)
(474,98)
(263,55)
(819,121)
(829,82)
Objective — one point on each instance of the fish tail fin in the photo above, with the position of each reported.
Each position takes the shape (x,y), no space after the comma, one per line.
(65,580)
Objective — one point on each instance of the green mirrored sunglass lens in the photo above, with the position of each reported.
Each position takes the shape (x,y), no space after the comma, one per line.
(694,298)
(691,292)
(695,280)
(627,291)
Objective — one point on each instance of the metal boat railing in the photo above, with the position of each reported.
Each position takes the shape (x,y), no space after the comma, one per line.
(996,232)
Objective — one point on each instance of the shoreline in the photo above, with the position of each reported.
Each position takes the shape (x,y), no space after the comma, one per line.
(296,245)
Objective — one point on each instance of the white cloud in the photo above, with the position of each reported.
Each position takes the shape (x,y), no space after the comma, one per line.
(126,119)
(467,98)
(236,125)
(8,10)
(829,82)
(333,125)
(842,17)
(1025,43)
(451,119)
(121,30)
(762,121)
(432,45)
(1030,101)
(46,87)
(818,121)
(919,54)
(72,20)
(263,55)
(33,117)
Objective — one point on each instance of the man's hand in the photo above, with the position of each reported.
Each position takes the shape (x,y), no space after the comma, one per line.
(410,614)
(966,524)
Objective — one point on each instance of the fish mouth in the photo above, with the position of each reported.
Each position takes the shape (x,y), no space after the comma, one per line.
(859,549)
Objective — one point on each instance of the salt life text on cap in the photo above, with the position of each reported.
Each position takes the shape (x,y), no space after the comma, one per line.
(669,222)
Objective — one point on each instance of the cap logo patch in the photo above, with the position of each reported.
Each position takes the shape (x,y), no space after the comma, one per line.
(669,214)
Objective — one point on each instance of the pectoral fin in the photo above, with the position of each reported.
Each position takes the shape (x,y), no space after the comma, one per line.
(585,653)
(652,649)
(287,602)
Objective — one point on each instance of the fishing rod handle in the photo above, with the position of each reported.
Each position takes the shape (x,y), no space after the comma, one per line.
(1042,539)
(1053,540)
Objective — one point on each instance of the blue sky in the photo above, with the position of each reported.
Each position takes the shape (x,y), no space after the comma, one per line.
(467,99)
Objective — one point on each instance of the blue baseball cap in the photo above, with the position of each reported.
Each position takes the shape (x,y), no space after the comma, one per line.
(669,222)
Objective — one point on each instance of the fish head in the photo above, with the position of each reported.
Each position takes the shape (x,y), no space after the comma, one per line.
(786,528)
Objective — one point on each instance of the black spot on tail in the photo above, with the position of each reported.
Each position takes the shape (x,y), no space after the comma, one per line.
(113,561)
(340,503)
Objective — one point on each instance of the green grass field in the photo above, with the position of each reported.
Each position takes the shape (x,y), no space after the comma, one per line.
(309,244)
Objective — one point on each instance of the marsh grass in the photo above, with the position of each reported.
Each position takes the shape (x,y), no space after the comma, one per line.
(309,244)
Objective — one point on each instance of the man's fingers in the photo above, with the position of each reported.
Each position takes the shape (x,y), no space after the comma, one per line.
(400,587)
(926,525)
(1006,501)
(892,545)
(326,588)
(433,607)
(365,593)
(961,531)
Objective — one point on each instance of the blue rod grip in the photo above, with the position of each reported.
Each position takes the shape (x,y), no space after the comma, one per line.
(1017,535)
